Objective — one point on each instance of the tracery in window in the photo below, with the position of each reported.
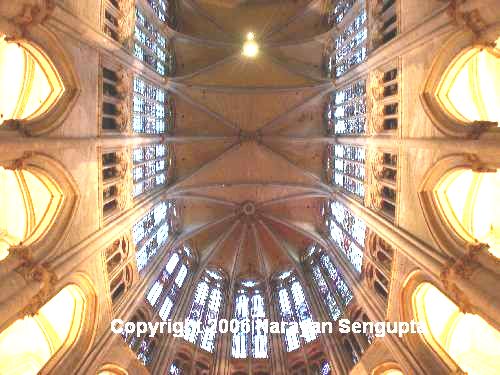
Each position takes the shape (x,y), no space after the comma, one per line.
(249,306)
(118,268)
(347,164)
(151,232)
(294,309)
(466,198)
(152,108)
(469,340)
(208,302)
(151,167)
(346,111)
(328,281)
(164,10)
(166,290)
(350,44)
(29,83)
(29,204)
(347,231)
(175,370)
(151,46)
(470,89)
(325,368)
(28,344)
(381,182)
(144,346)
(338,10)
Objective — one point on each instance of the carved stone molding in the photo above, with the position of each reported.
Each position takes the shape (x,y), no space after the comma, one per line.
(126,23)
(462,268)
(468,19)
(20,15)
(124,107)
(375,24)
(373,172)
(46,277)
(125,186)
(375,110)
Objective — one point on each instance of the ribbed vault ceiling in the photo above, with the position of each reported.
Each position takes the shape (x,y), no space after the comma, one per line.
(248,140)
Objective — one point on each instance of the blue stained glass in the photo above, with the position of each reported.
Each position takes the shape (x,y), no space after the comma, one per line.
(350,49)
(206,307)
(150,233)
(175,370)
(349,168)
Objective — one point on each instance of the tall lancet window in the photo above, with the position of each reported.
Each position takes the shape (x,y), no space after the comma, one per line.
(330,284)
(208,302)
(164,10)
(346,167)
(346,111)
(166,290)
(151,232)
(151,167)
(347,231)
(152,108)
(249,308)
(338,10)
(151,46)
(350,43)
(294,310)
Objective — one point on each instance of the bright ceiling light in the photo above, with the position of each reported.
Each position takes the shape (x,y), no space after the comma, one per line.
(250,47)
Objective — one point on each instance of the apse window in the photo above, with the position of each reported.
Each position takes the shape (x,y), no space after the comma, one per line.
(29,83)
(470,88)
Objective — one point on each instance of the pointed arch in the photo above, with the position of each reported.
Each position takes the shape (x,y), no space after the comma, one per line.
(44,197)
(461,97)
(38,86)
(455,196)
(461,340)
(56,337)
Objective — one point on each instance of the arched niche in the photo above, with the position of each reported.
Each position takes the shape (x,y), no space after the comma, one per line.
(388,368)
(462,91)
(457,196)
(112,369)
(38,202)
(38,86)
(56,338)
(462,341)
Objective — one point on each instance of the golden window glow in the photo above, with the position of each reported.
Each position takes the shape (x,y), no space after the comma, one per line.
(391,372)
(29,204)
(250,47)
(28,344)
(468,339)
(470,90)
(466,198)
(29,83)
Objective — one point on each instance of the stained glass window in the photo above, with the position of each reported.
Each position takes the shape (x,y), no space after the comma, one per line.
(347,231)
(208,301)
(338,10)
(143,346)
(150,46)
(294,310)
(348,163)
(350,44)
(175,370)
(346,112)
(325,368)
(150,233)
(150,169)
(165,291)
(249,307)
(327,280)
(152,108)
(160,7)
